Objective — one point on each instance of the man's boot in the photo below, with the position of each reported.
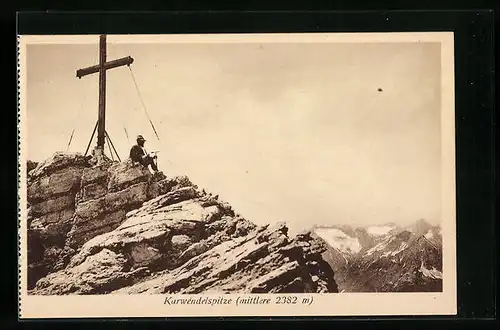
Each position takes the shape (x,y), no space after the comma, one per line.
(154,167)
(153,164)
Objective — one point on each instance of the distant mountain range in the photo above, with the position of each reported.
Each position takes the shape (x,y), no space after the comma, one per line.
(384,258)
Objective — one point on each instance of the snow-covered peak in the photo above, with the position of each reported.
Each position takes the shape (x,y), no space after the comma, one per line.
(339,240)
(431,273)
(429,234)
(380,230)
(380,246)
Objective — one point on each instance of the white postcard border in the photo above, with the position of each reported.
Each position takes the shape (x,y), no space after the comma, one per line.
(342,304)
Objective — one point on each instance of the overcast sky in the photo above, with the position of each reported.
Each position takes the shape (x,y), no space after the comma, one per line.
(284,132)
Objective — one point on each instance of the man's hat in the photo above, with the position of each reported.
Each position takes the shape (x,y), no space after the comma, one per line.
(139,137)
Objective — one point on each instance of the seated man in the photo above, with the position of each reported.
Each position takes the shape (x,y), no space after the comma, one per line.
(138,154)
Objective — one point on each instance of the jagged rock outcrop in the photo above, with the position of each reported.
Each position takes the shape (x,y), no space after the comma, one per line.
(52,188)
(116,228)
(30,165)
(71,200)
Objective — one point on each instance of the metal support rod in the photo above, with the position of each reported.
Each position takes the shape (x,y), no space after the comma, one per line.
(113,146)
(91,138)
(109,146)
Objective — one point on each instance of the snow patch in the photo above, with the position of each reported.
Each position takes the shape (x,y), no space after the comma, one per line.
(380,246)
(431,273)
(403,246)
(339,240)
(379,230)
(386,254)
(429,234)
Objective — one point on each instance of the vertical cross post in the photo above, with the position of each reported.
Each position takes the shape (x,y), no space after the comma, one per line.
(102,93)
(101,69)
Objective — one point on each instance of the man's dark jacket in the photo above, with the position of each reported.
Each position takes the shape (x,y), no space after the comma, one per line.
(136,153)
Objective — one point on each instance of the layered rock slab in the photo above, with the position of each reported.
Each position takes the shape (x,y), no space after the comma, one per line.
(160,235)
(52,187)
(132,232)
(71,199)
(185,242)
(264,261)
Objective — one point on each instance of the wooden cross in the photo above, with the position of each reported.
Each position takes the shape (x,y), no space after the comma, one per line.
(101,68)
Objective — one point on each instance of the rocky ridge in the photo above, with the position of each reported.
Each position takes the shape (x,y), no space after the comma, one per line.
(116,228)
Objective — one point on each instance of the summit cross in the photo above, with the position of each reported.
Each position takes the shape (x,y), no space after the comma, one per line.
(101,68)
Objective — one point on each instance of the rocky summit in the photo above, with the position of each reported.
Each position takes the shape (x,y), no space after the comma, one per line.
(113,227)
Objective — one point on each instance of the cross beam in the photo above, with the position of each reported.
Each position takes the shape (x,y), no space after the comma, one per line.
(101,68)
(107,66)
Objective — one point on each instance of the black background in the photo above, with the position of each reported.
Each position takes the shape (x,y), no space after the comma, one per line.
(474,105)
